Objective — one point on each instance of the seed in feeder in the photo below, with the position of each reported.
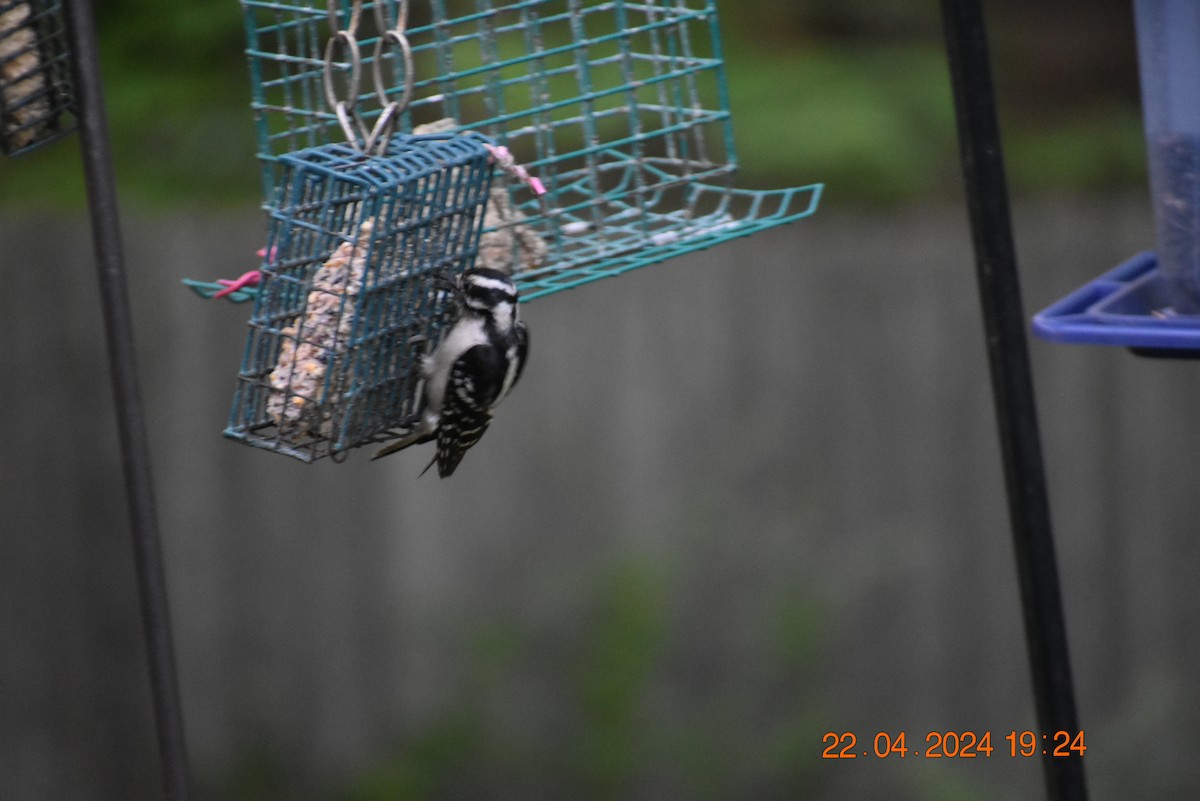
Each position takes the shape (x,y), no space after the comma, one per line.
(511,245)
(444,125)
(22,78)
(1175,175)
(326,325)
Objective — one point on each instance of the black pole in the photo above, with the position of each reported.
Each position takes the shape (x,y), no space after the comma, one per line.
(135,461)
(1012,388)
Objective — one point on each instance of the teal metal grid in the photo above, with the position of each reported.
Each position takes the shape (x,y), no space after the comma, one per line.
(348,302)
(620,108)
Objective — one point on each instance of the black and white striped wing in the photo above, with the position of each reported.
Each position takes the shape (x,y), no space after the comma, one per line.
(522,356)
(465,412)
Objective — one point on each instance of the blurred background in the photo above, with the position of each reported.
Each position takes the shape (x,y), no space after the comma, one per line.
(739,500)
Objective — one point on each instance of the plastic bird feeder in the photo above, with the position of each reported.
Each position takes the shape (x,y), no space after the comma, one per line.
(348,303)
(1151,303)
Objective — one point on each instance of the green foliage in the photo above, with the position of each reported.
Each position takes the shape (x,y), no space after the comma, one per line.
(852,94)
(942,783)
(177,98)
(257,776)
(600,708)
(874,123)
(599,725)
(616,667)
(1089,149)
(425,767)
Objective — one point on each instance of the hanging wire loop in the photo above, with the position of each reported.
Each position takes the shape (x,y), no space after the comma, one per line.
(335,18)
(344,109)
(393,38)
(349,119)
(401,16)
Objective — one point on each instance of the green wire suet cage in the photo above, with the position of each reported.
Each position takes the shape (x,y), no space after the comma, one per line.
(615,115)
(36,100)
(347,300)
(620,108)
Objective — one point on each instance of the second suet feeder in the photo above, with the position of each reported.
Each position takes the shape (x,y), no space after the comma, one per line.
(35,87)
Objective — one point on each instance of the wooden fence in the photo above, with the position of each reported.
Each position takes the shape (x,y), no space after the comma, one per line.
(739,501)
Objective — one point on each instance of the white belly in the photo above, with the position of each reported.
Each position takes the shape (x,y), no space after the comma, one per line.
(465,335)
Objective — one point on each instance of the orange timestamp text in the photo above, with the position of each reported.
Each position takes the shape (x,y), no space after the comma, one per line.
(954,745)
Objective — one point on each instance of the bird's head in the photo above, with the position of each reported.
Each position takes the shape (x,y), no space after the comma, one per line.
(488,293)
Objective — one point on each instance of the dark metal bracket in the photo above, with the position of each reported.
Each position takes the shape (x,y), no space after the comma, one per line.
(1012,387)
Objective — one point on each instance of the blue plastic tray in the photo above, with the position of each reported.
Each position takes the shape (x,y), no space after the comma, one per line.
(1127,306)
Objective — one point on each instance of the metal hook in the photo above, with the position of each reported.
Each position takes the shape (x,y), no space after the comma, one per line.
(396,38)
(331,9)
(348,119)
(351,43)
(376,141)
(401,16)
(350,123)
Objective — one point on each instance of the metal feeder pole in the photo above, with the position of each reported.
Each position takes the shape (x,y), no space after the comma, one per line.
(135,461)
(1012,387)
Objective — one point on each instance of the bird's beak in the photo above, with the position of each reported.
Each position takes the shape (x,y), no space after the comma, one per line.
(443,281)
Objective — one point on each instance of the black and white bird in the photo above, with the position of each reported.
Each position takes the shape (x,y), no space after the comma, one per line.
(476,365)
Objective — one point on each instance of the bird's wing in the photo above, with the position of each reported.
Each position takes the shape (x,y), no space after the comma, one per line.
(522,352)
(516,354)
(465,416)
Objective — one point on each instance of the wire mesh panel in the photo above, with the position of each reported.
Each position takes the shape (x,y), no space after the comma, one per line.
(35,87)
(619,107)
(348,304)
